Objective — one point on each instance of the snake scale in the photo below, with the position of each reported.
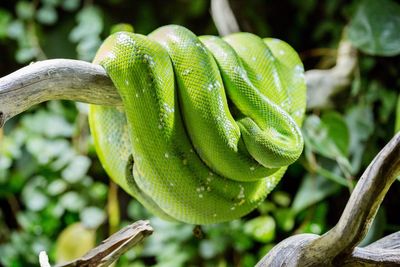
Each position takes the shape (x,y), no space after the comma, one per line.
(208,124)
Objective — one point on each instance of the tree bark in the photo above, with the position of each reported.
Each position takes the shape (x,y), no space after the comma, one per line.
(113,247)
(337,247)
(55,79)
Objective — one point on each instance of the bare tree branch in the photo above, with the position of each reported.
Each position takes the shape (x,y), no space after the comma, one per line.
(323,84)
(85,82)
(384,252)
(338,246)
(362,205)
(371,257)
(113,247)
(388,242)
(223,17)
(55,79)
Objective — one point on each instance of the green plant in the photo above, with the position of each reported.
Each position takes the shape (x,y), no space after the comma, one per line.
(50,173)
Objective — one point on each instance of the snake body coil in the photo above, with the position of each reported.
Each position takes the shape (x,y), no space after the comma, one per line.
(196,158)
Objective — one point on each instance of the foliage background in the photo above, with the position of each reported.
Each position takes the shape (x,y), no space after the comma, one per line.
(54,191)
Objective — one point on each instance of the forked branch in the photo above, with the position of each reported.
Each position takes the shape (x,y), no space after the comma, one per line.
(338,246)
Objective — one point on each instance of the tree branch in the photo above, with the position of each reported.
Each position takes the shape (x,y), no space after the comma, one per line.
(55,79)
(223,17)
(85,82)
(362,205)
(371,257)
(384,252)
(388,242)
(113,247)
(323,84)
(338,246)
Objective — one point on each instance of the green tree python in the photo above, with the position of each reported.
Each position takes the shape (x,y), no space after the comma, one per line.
(208,124)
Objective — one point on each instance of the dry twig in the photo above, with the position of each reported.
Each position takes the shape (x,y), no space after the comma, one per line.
(113,247)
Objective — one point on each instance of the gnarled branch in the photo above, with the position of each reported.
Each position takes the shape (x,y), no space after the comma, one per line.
(338,246)
(113,247)
(55,79)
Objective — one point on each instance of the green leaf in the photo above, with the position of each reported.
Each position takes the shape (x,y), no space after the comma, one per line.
(317,224)
(313,189)
(92,217)
(285,219)
(51,2)
(25,54)
(208,249)
(261,228)
(25,9)
(378,92)
(34,199)
(70,5)
(48,124)
(46,150)
(16,29)
(360,121)
(89,23)
(55,211)
(337,130)
(56,187)
(47,15)
(76,169)
(87,32)
(266,207)
(331,175)
(98,191)
(328,135)
(375,27)
(281,198)
(72,201)
(87,48)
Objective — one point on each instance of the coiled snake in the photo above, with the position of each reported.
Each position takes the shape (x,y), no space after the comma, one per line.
(208,125)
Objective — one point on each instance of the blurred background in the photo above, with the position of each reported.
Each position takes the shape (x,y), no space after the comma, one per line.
(55,196)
